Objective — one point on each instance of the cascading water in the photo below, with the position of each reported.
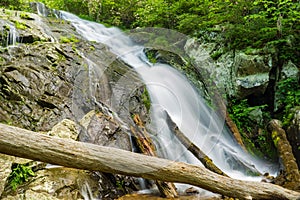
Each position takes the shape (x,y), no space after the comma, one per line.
(12,35)
(171,91)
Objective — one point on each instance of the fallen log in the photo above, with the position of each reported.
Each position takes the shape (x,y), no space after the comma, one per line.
(146,147)
(196,151)
(23,143)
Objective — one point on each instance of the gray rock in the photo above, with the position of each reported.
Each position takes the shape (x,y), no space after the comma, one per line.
(290,70)
(235,74)
(65,129)
(256,116)
(5,169)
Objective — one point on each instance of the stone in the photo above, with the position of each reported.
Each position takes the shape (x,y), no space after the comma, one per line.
(290,70)
(5,169)
(65,129)
(256,115)
(236,74)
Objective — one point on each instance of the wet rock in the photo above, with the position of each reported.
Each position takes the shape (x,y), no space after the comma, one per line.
(191,191)
(102,129)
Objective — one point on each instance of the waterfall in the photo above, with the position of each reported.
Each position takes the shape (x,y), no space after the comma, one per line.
(11,32)
(13,36)
(171,91)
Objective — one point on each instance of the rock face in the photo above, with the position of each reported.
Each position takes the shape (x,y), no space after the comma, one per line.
(55,82)
(238,74)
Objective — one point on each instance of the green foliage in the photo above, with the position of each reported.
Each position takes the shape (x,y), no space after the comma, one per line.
(15,4)
(239,112)
(256,138)
(242,24)
(151,56)
(120,185)
(288,94)
(24,15)
(20,174)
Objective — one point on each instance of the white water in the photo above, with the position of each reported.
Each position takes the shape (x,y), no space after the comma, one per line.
(170,91)
(12,36)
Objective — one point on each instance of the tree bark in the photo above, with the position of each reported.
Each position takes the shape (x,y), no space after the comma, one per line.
(147,147)
(290,176)
(196,151)
(23,143)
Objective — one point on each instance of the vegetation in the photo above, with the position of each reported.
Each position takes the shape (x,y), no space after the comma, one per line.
(20,174)
(15,4)
(242,24)
(256,139)
(64,39)
(146,99)
(288,98)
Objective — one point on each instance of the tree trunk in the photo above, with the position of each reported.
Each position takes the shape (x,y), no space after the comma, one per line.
(23,143)
(147,147)
(200,155)
(289,177)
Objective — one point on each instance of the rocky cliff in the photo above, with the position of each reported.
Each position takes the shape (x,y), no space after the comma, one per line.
(53,79)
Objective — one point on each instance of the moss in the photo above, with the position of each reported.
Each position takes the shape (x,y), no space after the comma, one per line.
(146,99)
(20,25)
(275,138)
(64,39)
(92,48)
(24,15)
(216,55)
(151,56)
(20,174)
(6,27)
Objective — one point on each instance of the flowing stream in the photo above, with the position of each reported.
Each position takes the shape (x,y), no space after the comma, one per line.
(171,91)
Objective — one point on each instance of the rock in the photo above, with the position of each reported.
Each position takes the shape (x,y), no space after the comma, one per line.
(48,86)
(65,129)
(289,70)
(56,183)
(237,74)
(5,169)
(104,130)
(191,191)
(256,116)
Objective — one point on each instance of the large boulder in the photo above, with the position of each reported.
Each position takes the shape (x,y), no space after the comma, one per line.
(236,73)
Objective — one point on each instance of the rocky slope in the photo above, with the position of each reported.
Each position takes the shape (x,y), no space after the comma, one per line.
(50,78)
